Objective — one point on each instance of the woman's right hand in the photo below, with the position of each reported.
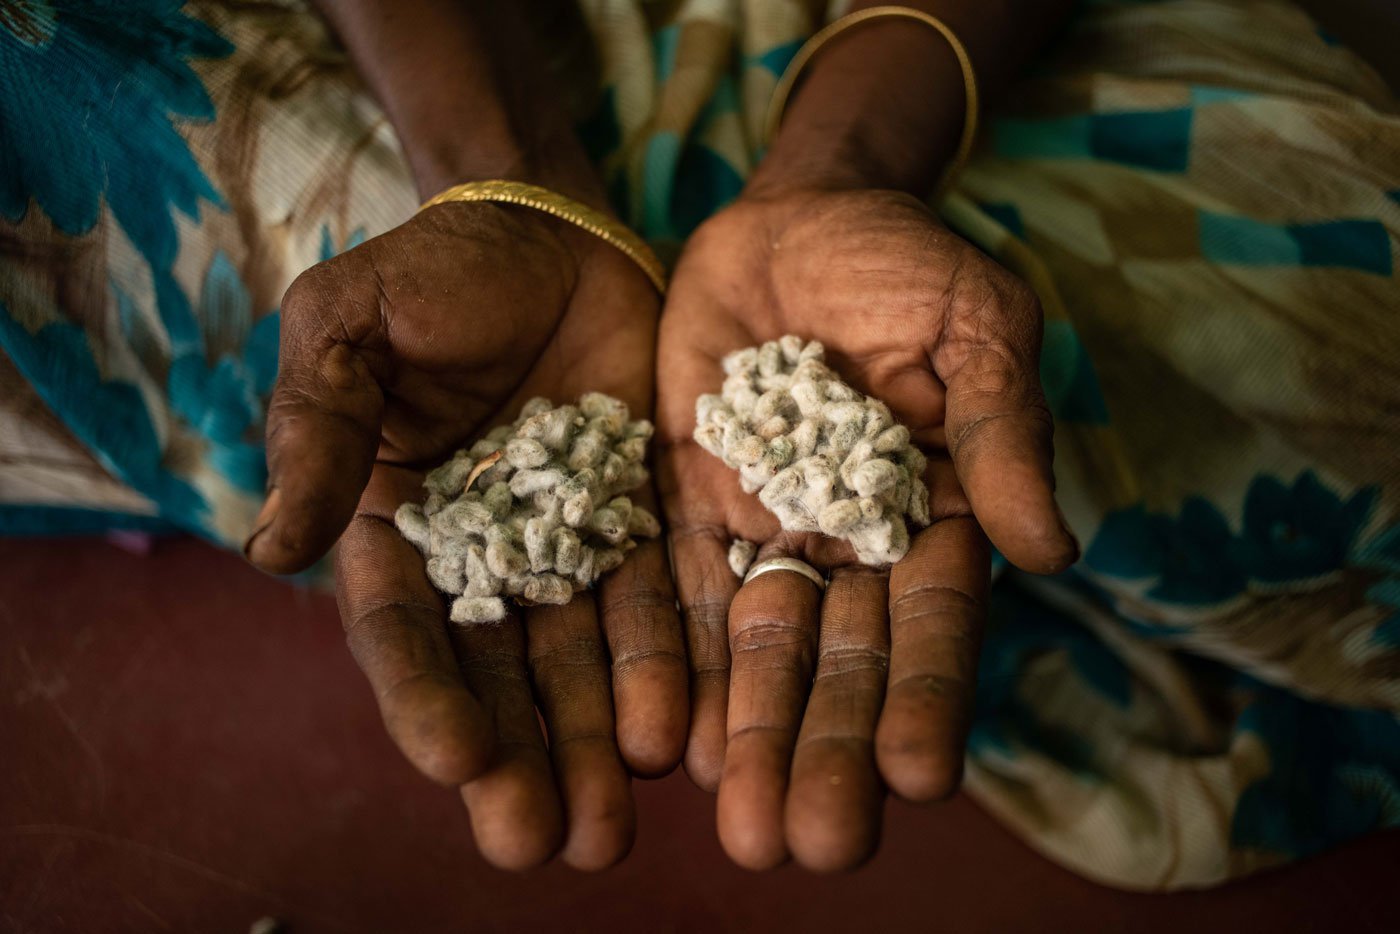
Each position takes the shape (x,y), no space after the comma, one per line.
(394,355)
(808,705)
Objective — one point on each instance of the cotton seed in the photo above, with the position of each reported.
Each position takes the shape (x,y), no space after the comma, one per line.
(838,391)
(613,468)
(583,570)
(498,500)
(566,551)
(578,509)
(891,439)
(609,525)
(874,477)
(632,450)
(526,452)
(741,555)
(548,588)
(445,571)
(468,610)
(839,517)
(539,547)
(588,450)
(773,427)
(449,479)
(412,525)
(526,482)
(505,561)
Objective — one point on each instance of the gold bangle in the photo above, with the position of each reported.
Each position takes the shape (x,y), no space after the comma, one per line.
(812,45)
(564,208)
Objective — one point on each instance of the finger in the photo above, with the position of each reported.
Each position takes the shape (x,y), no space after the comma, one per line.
(999,429)
(834,802)
(322,429)
(638,607)
(773,626)
(395,625)
(938,604)
(706,587)
(516,817)
(570,674)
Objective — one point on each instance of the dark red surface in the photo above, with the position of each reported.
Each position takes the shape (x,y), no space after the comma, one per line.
(186,746)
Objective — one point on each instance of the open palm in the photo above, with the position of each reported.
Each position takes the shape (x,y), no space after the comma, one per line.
(792,688)
(394,355)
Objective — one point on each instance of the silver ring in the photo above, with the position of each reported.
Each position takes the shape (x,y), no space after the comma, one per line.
(787,564)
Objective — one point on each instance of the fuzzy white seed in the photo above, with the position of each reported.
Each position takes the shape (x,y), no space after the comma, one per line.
(741,555)
(539,546)
(566,550)
(498,500)
(449,479)
(505,560)
(527,482)
(468,610)
(412,525)
(526,452)
(445,571)
(874,477)
(548,588)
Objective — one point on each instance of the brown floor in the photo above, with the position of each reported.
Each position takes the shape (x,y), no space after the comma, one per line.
(186,746)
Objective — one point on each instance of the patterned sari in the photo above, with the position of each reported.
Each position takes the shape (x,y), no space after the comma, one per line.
(1205,194)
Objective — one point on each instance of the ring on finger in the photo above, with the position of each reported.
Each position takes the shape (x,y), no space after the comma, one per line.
(787,564)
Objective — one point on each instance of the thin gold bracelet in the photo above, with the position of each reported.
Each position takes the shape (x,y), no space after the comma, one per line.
(821,38)
(566,209)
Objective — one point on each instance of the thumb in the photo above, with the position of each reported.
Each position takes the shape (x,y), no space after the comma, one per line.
(1000,431)
(323,428)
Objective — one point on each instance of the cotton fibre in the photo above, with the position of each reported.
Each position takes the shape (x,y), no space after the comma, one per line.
(821,456)
(535,510)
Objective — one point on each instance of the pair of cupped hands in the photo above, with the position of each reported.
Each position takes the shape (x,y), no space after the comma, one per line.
(804,709)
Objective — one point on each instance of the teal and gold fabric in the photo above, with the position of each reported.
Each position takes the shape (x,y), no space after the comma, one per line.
(1205,194)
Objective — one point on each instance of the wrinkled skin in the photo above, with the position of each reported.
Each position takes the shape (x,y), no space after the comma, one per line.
(394,355)
(807,706)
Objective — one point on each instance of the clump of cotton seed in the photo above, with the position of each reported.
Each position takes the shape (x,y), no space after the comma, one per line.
(821,456)
(535,510)
(741,555)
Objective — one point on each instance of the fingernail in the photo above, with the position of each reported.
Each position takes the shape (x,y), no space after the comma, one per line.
(264,519)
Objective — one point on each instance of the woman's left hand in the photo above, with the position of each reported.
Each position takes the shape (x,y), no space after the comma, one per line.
(806,705)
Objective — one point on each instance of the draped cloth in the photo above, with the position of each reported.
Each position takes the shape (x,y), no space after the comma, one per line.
(1204,193)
